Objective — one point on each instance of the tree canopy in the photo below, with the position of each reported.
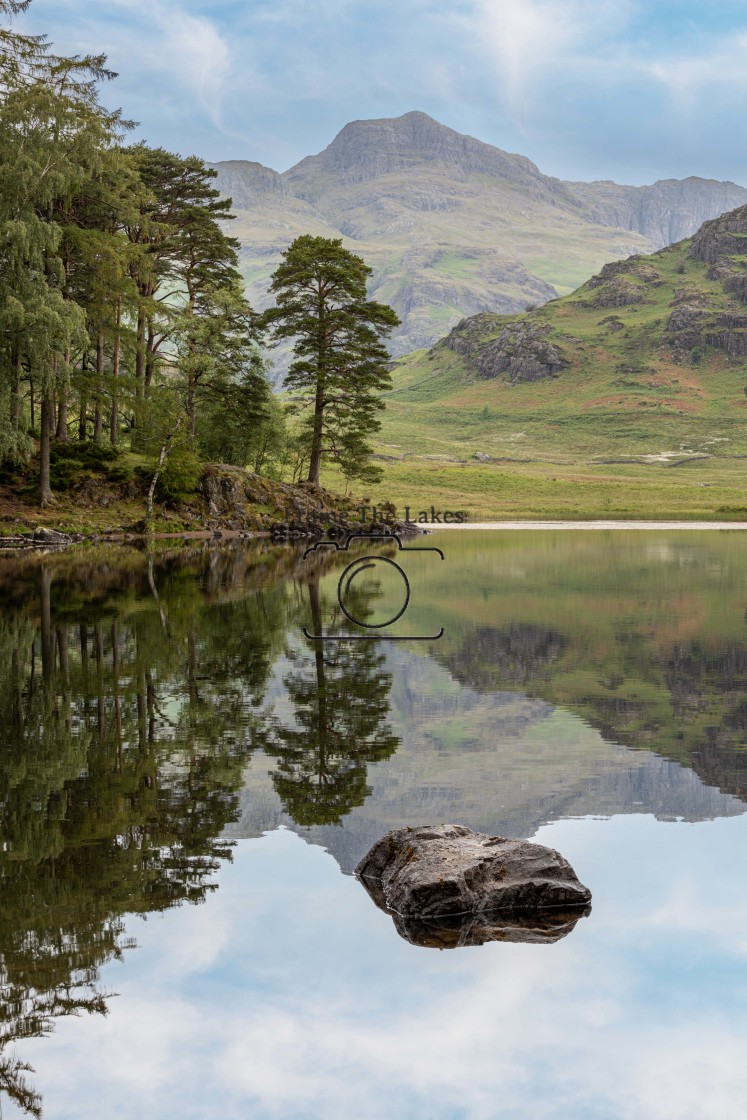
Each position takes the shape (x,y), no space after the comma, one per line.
(340,365)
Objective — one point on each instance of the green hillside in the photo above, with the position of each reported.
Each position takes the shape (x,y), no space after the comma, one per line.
(625,398)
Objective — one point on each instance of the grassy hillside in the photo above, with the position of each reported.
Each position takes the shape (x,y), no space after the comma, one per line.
(625,398)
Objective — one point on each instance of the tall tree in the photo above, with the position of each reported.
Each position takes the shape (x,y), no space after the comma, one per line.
(340,367)
(52,134)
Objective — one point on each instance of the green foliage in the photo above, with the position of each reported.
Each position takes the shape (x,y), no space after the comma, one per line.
(70,463)
(180,476)
(121,305)
(341,365)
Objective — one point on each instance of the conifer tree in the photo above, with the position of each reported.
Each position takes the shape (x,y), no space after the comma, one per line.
(340,367)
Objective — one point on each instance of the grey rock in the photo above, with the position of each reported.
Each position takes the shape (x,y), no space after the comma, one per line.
(447,885)
(619,292)
(685,322)
(51,537)
(721,237)
(522,350)
(664,212)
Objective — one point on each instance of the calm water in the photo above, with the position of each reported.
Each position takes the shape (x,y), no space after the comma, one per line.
(186,783)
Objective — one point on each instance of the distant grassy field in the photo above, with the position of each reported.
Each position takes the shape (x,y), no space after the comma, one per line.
(710,489)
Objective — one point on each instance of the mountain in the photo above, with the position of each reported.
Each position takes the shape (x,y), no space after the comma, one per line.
(452,226)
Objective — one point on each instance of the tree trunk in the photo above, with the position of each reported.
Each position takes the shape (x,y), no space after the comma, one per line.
(150,356)
(154,481)
(114,424)
(31,402)
(83,419)
(47,416)
(98,421)
(15,390)
(62,405)
(192,412)
(315,462)
(140,355)
(62,416)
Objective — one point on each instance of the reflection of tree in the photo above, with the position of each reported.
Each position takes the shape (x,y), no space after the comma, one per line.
(122,749)
(340,696)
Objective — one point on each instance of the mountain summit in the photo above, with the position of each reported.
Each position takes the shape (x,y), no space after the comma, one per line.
(452,226)
(366,150)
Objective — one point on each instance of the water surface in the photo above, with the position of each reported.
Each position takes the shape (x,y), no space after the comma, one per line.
(186,784)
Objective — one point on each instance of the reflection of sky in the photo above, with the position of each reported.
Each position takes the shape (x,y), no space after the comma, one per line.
(289,995)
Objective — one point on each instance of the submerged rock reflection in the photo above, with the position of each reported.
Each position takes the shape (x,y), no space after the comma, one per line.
(461,930)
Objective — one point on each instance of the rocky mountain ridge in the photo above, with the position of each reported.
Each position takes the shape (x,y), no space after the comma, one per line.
(450,225)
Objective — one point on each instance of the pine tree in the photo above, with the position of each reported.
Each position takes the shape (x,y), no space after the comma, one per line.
(340,367)
(52,135)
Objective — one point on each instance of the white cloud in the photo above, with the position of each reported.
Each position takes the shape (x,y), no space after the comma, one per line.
(688,77)
(315,1008)
(531,42)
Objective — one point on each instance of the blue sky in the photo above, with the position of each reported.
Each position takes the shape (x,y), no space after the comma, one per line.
(632,91)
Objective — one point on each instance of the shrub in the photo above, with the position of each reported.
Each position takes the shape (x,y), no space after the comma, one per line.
(180,476)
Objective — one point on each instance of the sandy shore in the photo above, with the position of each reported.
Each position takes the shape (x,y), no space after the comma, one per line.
(592,525)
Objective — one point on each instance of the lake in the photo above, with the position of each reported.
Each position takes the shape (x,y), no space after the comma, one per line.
(187,783)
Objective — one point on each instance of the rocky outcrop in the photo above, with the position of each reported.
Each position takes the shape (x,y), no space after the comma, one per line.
(686,322)
(40,540)
(734,342)
(634,266)
(619,292)
(622,283)
(722,237)
(426,877)
(236,499)
(522,350)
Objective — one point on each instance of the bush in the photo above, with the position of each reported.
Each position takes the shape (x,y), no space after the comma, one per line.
(92,455)
(180,476)
(70,463)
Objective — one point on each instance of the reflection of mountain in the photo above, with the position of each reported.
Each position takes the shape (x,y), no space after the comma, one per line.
(498,762)
(641,634)
(697,712)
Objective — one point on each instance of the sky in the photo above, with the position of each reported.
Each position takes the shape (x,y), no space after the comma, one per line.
(588,89)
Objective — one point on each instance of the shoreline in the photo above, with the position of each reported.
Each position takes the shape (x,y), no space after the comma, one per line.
(600,524)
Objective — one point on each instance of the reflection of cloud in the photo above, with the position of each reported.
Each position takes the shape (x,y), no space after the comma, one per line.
(315,1008)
